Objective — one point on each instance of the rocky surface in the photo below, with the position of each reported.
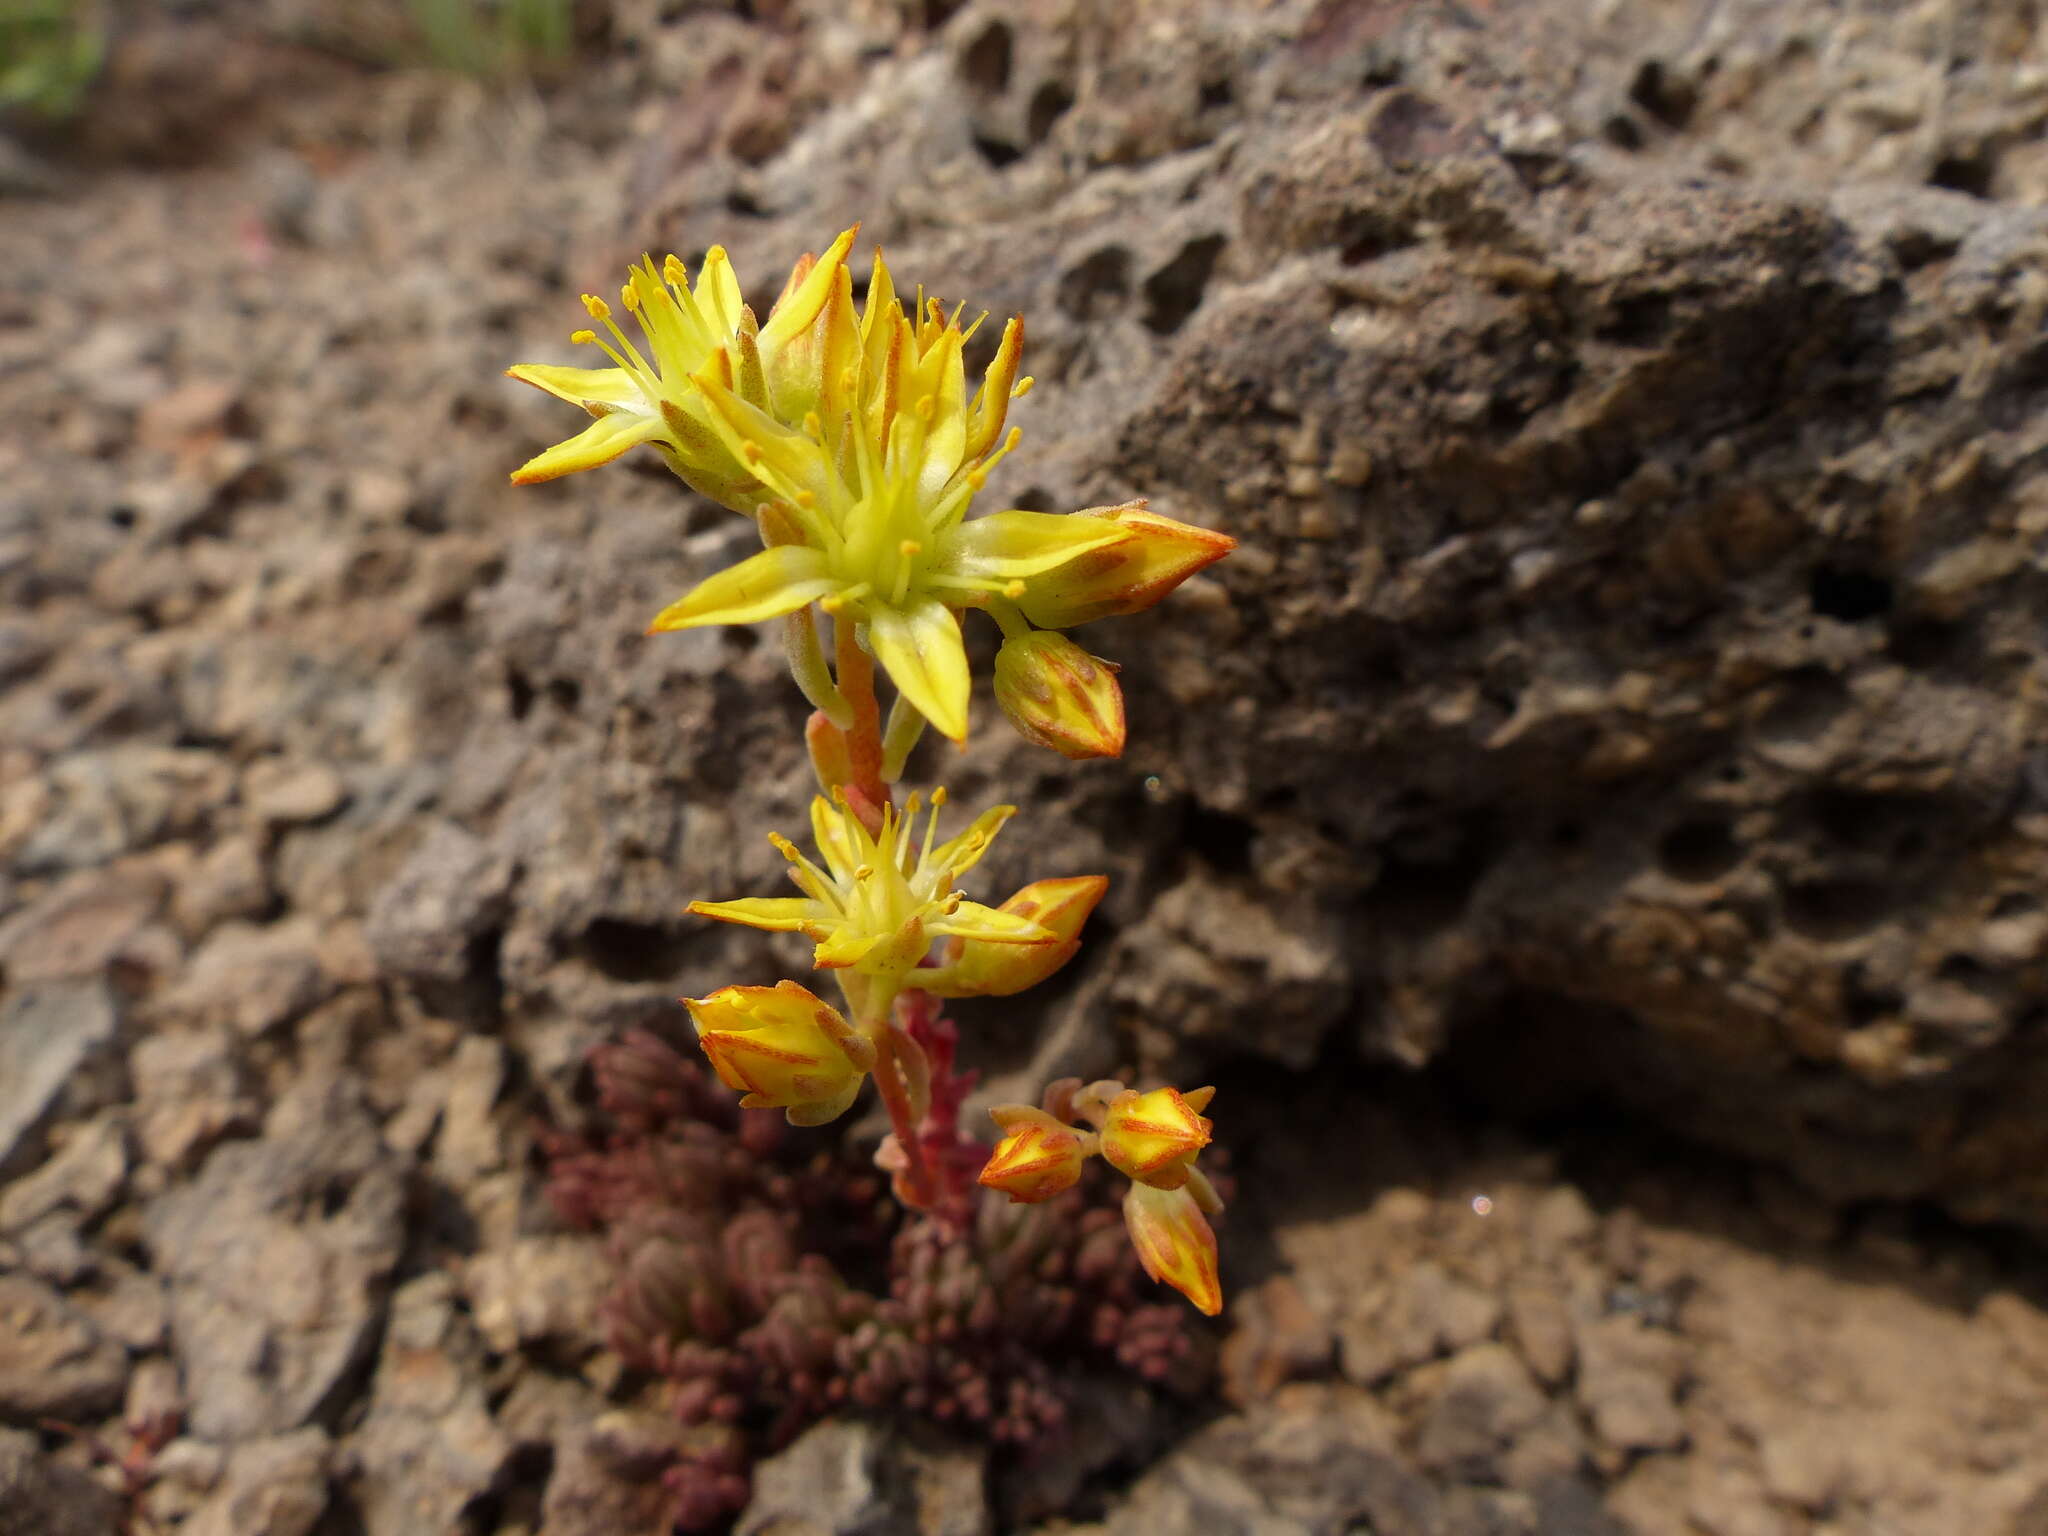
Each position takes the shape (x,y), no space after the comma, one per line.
(1625,705)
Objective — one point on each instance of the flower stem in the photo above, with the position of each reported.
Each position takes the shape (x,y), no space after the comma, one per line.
(915,1188)
(856,669)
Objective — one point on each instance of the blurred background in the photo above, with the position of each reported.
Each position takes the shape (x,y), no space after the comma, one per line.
(1591,832)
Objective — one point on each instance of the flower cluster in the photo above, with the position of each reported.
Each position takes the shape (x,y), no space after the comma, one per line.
(852,440)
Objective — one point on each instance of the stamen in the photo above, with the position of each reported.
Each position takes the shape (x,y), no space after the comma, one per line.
(909,548)
(583,338)
(938,797)
(629,298)
(1015,589)
(599,310)
(1023,387)
(673,270)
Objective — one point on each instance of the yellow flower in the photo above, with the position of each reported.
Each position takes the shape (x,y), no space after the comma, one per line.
(1059,696)
(1153,1137)
(1037,1158)
(972,968)
(1174,1240)
(867,497)
(881,899)
(784,1048)
(649,396)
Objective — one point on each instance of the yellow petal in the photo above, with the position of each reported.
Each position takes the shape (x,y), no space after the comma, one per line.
(763,586)
(841,949)
(799,307)
(778,914)
(599,443)
(780,457)
(919,646)
(992,401)
(838,837)
(718,292)
(586,387)
(991,925)
(960,854)
(1011,545)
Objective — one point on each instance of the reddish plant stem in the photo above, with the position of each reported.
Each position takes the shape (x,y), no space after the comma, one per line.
(956,1160)
(866,796)
(855,670)
(914,1188)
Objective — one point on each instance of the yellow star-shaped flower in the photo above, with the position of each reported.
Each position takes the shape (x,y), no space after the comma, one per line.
(881,899)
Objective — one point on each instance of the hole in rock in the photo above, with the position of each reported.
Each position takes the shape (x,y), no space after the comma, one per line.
(985,64)
(1049,103)
(1175,290)
(1699,849)
(1848,593)
(633,952)
(1098,285)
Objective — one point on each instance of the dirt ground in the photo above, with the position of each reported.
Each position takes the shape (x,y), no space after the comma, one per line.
(1591,834)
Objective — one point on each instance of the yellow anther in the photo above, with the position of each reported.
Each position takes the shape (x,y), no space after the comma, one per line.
(1015,589)
(629,298)
(813,425)
(1023,387)
(978,478)
(784,846)
(599,310)
(751,452)
(806,499)
(864,872)
(908,548)
(832,603)
(583,338)
(1012,438)
(938,797)
(673,270)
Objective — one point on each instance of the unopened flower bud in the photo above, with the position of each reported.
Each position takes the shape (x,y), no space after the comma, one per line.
(1153,1137)
(1126,577)
(1037,1157)
(978,968)
(784,1048)
(1059,696)
(1174,1242)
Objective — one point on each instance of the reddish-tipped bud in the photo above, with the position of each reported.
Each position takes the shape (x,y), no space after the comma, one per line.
(1059,696)
(1037,1157)
(784,1048)
(980,968)
(1153,1137)
(1174,1242)
(1125,577)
